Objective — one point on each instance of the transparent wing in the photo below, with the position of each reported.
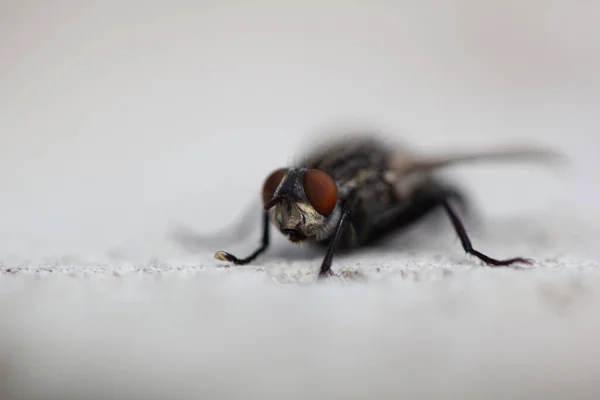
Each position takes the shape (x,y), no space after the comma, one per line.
(404,163)
(193,240)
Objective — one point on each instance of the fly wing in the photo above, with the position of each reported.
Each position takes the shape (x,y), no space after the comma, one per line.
(334,148)
(193,240)
(404,163)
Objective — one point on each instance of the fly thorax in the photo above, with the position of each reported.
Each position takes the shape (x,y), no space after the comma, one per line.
(405,184)
(359,178)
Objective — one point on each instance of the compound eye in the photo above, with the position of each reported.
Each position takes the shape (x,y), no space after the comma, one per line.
(271,184)
(321,191)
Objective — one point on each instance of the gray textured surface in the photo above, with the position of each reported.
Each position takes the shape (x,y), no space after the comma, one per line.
(121,121)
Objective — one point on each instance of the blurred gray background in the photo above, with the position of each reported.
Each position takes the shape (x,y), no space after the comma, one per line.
(120,118)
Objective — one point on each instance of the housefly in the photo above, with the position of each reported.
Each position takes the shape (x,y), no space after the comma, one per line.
(350,193)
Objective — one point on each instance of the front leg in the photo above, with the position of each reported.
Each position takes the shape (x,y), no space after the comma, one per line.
(326,264)
(225,256)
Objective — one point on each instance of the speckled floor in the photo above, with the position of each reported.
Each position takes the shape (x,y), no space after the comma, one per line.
(419,322)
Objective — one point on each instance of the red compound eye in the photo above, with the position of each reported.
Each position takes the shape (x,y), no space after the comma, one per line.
(271,184)
(321,191)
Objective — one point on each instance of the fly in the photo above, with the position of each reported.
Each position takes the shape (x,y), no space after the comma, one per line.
(355,191)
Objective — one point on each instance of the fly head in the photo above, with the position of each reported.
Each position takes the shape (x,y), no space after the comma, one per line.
(302,203)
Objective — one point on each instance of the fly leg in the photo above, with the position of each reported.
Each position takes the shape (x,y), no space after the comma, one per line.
(424,204)
(466,242)
(225,256)
(326,264)
(460,198)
